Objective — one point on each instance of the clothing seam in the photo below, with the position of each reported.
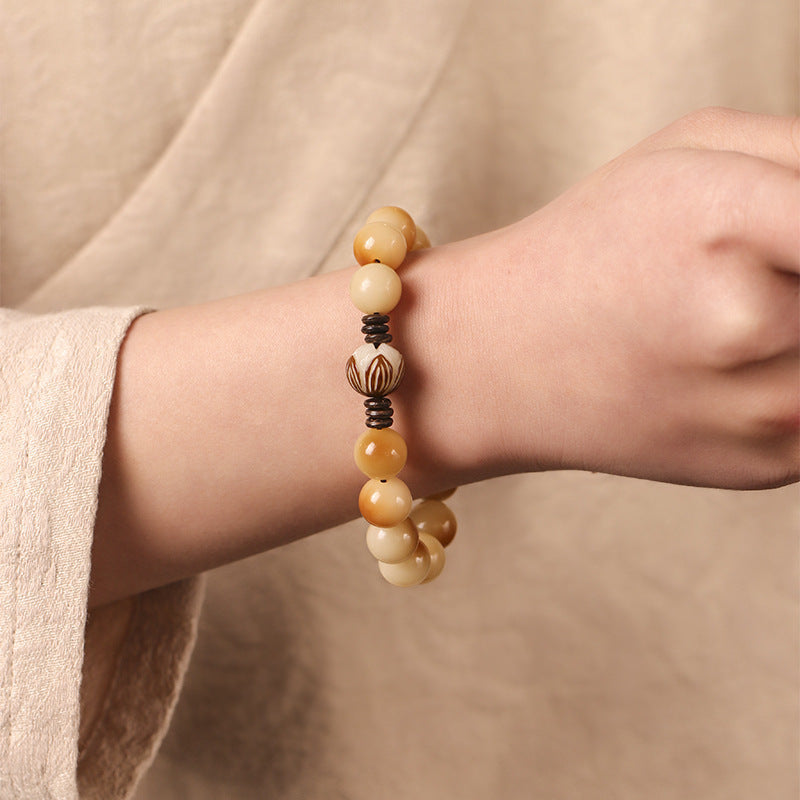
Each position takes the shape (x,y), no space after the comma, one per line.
(28,405)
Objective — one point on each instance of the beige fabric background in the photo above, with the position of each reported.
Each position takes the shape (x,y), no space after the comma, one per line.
(593,637)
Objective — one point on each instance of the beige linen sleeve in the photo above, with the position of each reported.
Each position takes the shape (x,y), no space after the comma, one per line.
(56,379)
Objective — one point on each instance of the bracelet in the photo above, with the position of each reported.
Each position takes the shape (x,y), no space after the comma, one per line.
(408,542)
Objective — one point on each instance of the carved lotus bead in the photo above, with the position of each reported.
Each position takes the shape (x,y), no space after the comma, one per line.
(375,371)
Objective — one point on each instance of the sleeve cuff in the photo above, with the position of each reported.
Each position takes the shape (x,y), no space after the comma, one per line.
(56,379)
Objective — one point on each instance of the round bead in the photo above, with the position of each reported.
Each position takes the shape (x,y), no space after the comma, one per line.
(375,371)
(442,495)
(410,572)
(436,551)
(395,544)
(421,241)
(384,503)
(375,289)
(379,241)
(380,453)
(397,218)
(435,518)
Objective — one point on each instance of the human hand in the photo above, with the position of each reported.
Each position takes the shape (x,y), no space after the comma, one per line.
(645,323)
(647,319)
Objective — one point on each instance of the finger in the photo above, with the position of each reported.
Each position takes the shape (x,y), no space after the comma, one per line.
(760,399)
(784,315)
(760,209)
(764,316)
(766,136)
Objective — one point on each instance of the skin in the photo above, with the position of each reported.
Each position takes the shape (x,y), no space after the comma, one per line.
(645,323)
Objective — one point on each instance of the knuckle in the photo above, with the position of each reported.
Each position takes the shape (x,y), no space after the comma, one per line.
(726,206)
(702,126)
(735,335)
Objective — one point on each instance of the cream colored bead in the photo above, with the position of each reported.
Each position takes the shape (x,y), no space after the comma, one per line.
(395,544)
(384,503)
(397,218)
(421,242)
(375,289)
(375,371)
(447,493)
(379,241)
(436,552)
(410,572)
(380,453)
(435,518)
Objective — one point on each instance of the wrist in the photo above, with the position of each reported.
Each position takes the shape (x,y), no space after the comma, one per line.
(454,403)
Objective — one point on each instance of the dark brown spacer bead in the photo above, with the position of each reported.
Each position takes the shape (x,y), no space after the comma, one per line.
(379,424)
(376,328)
(379,412)
(378,338)
(374,319)
(376,401)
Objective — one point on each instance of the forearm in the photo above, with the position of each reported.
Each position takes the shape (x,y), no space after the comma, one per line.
(645,323)
(232,423)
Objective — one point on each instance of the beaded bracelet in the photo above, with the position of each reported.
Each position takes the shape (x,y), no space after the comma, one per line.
(408,542)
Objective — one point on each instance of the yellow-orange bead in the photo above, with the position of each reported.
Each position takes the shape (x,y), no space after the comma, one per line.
(410,572)
(435,518)
(436,552)
(375,289)
(392,545)
(421,241)
(380,453)
(397,218)
(379,241)
(384,503)
(442,495)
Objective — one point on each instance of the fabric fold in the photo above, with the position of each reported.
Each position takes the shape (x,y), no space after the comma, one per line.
(151,664)
(345,124)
